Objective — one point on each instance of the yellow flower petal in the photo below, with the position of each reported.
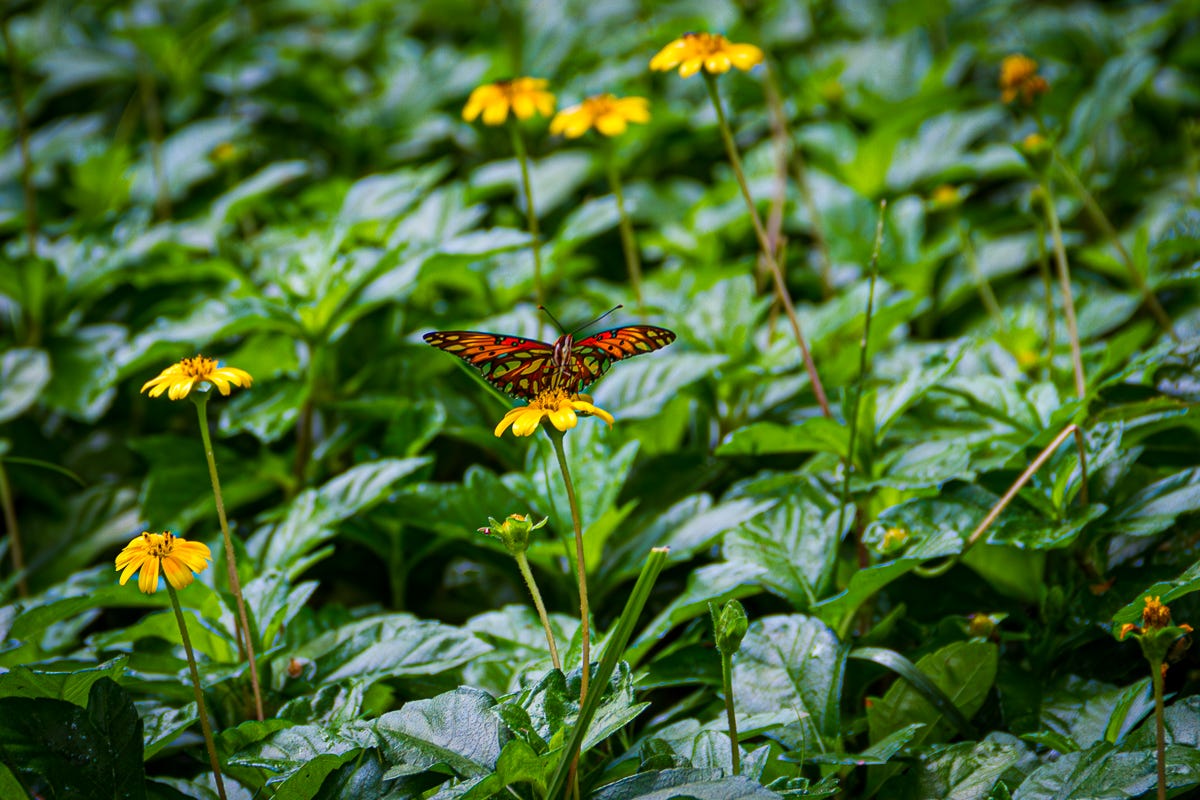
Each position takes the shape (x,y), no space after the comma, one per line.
(564,418)
(148,578)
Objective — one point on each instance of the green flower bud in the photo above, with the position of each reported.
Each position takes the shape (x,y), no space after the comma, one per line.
(513,531)
(729,626)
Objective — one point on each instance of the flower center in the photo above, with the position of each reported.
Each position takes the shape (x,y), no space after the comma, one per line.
(706,44)
(551,400)
(160,549)
(198,367)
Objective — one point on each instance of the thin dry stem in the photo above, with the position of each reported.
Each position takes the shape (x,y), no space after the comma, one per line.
(628,241)
(1018,484)
(1064,280)
(781,289)
(14,532)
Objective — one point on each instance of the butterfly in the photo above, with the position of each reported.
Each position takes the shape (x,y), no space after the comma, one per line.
(524,368)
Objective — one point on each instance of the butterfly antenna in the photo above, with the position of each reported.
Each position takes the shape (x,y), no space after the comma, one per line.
(553,319)
(612,310)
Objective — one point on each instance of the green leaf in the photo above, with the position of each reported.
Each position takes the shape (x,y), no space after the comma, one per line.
(1103,771)
(288,754)
(1155,507)
(792,545)
(964,771)
(24,372)
(456,730)
(387,646)
(163,724)
(74,687)
(698,784)
(793,663)
(919,682)
(815,435)
(312,516)
(964,671)
(81,754)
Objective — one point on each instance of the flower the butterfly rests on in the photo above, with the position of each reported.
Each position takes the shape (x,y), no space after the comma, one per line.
(549,376)
(525,368)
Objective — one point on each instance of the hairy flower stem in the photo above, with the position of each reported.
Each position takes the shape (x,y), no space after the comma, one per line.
(986,296)
(1157,670)
(244,636)
(30,194)
(628,242)
(530,214)
(1064,280)
(781,289)
(201,710)
(14,532)
(727,685)
(863,364)
(556,436)
(527,574)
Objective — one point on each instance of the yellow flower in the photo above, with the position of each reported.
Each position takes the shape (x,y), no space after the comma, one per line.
(606,113)
(556,405)
(525,96)
(711,52)
(1019,76)
(179,379)
(178,558)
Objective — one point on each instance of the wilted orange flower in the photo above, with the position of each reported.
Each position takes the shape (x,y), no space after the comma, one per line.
(179,379)
(553,404)
(711,52)
(178,558)
(1019,76)
(608,114)
(523,96)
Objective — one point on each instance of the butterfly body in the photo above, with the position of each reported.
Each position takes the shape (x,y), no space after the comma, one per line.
(525,368)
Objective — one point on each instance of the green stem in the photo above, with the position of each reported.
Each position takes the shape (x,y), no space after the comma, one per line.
(530,213)
(1064,280)
(727,685)
(764,243)
(527,574)
(628,241)
(614,648)
(1160,733)
(235,585)
(863,364)
(1101,220)
(556,436)
(986,296)
(201,710)
(14,532)
(18,92)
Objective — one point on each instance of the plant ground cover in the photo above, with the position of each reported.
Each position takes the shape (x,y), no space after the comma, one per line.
(892,502)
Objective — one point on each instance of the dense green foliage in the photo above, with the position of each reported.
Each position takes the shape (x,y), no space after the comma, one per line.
(289,186)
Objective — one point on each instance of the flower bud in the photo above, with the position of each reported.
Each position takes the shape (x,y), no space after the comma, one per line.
(1036,151)
(513,531)
(729,626)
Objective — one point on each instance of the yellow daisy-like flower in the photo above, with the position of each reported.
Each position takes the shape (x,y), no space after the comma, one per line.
(179,379)
(524,96)
(608,114)
(553,404)
(1019,76)
(711,52)
(178,559)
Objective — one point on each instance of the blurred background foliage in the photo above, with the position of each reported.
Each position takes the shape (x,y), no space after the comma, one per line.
(289,186)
